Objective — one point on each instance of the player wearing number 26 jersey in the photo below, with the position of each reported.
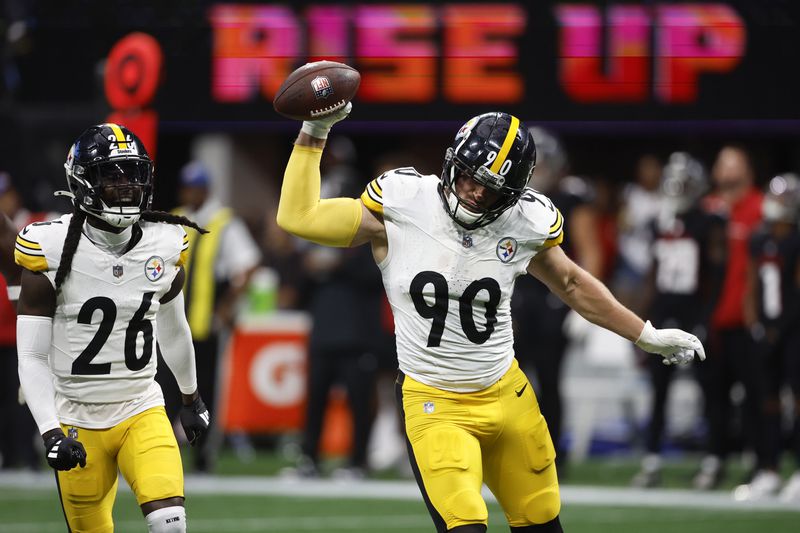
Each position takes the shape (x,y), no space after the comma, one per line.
(100,287)
(103,374)
(449,249)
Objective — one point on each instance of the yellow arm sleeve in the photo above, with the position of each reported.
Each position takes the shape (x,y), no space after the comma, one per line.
(332,222)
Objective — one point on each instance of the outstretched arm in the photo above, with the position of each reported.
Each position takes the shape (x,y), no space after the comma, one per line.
(333,222)
(584,293)
(591,299)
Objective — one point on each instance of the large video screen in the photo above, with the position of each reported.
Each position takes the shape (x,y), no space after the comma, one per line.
(219,64)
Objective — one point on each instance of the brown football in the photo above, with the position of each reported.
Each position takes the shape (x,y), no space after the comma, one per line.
(316,89)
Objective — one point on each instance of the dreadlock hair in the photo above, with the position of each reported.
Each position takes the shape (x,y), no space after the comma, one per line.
(169,218)
(74,236)
(70,245)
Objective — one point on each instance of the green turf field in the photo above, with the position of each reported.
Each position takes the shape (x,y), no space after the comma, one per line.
(38,512)
(228,504)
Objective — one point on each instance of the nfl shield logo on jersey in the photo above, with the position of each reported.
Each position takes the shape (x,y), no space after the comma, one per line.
(322,87)
(154,268)
(117,271)
(506,249)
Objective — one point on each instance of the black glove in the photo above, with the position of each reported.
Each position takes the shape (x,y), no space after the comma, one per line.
(195,420)
(64,453)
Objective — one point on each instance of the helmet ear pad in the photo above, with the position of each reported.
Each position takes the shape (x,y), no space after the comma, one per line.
(110,174)
(496,151)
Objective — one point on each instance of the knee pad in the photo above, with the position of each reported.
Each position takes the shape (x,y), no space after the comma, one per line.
(543,506)
(467,506)
(167,520)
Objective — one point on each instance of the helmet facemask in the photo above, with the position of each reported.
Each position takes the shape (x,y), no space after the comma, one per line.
(465,212)
(110,183)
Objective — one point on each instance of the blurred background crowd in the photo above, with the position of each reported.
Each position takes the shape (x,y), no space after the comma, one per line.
(691,222)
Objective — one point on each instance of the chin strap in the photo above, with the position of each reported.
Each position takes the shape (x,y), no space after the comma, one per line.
(64,193)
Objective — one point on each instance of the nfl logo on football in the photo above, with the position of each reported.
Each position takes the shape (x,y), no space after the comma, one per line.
(322,87)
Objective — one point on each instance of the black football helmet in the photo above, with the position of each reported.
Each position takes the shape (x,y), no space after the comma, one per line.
(683,182)
(552,163)
(497,151)
(110,174)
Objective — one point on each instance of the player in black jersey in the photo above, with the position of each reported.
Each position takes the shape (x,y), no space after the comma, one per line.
(688,265)
(772,310)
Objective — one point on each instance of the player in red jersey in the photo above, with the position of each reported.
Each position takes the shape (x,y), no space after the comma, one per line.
(738,200)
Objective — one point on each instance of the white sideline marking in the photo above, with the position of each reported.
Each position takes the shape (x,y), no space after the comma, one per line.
(407,490)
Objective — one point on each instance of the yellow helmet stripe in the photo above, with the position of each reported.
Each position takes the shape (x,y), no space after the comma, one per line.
(123,144)
(509,140)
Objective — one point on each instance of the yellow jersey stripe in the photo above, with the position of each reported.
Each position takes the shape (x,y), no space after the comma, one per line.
(558,223)
(372,193)
(123,145)
(376,190)
(28,251)
(372,205)
(509,140)
(557,230)
(28,244)
(34,263)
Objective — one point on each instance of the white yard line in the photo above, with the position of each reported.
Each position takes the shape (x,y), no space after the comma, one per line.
(407,490)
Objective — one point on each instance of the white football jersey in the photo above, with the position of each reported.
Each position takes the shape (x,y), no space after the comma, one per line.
(103,352)
(450,288)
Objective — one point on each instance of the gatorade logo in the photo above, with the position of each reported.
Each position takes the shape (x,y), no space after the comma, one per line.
(277,375)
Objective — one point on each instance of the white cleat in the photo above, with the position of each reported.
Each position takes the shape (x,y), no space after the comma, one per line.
(765,484)
(791,491)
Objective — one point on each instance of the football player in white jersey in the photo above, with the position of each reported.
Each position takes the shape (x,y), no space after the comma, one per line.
(449,249)
(100,287)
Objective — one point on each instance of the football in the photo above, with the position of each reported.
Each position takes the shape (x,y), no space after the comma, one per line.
(316,89)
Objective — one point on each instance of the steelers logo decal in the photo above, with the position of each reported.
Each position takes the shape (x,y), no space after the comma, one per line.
(154,268)
(506,249)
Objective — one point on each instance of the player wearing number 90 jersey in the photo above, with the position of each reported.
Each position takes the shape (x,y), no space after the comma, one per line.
(450,248)
(100,287)
(449,286)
